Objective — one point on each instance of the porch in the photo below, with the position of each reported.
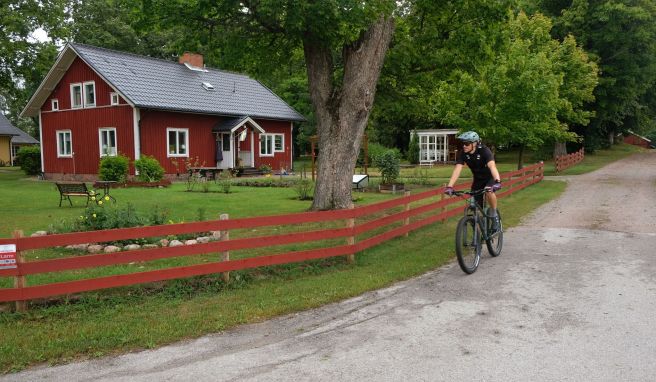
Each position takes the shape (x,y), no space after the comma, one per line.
(437,146)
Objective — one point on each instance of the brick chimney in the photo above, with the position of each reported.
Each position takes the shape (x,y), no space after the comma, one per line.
(193,59)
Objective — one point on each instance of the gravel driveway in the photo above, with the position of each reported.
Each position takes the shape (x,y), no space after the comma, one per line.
(572,298)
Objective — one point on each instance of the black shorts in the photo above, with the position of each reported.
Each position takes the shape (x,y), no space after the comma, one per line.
(479,184)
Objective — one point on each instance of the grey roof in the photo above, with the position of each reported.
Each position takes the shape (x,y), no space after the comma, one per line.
(6,128)
(228,124)
(18,135)
(159,84)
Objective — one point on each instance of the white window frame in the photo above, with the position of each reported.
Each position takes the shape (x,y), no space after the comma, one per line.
(113,99)
(267,137)
(107,130)
(61,154)
(81,104)
(84,94)
(282,143)
(54,104)
(177,154)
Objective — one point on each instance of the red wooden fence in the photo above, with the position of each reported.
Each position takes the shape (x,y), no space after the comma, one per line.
(564,162)
(424,212)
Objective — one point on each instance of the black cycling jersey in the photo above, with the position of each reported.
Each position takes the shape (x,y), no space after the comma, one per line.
(477,162)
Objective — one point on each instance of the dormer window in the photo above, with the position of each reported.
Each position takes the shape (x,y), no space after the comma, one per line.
(54,103)
(113,98)
(208,86)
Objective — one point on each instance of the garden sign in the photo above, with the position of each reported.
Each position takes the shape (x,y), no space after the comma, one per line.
(7,256)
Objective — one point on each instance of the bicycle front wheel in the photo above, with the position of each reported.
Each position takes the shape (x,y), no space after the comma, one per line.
(494,242)
(468,244)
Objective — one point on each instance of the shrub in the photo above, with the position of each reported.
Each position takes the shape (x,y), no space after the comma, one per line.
(265,168)
(224,182)
(389,165)
(114,168)
(149,169)
(304,189)
(413,148)
(29,158)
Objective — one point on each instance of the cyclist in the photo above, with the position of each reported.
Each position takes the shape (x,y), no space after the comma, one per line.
(480,161)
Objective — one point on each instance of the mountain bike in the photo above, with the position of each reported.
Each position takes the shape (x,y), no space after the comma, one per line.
(474,228)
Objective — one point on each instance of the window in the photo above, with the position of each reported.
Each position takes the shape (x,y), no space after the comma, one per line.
(64,144)
(225,142)
(113,98)
(54,103)
(76,96)
(270,143)
(177,140)
(278,143)
(107,141)
(89,94)
(14,150)
(266,145)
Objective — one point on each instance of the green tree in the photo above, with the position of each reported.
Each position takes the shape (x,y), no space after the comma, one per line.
(413,148)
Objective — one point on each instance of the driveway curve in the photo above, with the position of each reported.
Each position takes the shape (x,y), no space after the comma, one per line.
(572,298)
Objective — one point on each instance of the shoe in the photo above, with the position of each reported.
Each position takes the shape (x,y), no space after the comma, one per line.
(496,224)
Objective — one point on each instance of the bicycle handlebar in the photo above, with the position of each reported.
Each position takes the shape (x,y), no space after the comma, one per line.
(473,192)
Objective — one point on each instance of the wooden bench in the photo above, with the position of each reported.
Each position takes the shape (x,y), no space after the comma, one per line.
(66,190)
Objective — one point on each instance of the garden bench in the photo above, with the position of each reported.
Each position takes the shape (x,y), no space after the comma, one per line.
(66,190)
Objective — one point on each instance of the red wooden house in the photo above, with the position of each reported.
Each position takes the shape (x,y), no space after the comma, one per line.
(638,140)
(96,102)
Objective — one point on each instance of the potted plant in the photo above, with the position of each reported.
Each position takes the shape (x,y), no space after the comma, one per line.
(389,165)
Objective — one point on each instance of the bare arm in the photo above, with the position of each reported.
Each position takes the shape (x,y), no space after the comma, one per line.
(493,169)
(456,174)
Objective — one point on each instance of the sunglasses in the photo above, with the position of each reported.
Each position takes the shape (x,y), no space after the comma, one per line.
(467,143)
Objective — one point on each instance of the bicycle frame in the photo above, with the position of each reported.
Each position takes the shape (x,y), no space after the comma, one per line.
(477,211)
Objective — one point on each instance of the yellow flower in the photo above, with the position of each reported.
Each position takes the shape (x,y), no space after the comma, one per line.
(100,202)
(81,217)
(94,215)
(106,197)
(93,198)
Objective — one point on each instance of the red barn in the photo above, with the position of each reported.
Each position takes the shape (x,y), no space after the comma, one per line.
(96,102)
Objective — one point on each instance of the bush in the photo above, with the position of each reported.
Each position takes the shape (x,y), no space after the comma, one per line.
(389,165)
(29,158)
(224,182)
(114,168)
(265,168)
(304,189)
(413,149)
(149,169)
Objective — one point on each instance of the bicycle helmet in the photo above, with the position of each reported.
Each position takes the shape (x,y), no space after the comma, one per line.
(469,136)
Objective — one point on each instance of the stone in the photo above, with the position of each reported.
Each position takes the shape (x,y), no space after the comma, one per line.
(203,239)
(175,243)
(164,242)
(95,248)
(132,247)
(150,246)
(112,249)
(191,242)
(39,233)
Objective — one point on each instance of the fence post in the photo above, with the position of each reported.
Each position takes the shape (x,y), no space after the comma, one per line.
(350,223)
(441,199)
(225,255)
(406,221)
(19,281)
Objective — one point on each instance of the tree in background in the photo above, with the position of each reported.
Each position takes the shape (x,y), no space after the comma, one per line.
(621,35)
(517,97)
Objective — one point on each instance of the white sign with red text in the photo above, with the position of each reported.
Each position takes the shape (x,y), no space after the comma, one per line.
(7,256)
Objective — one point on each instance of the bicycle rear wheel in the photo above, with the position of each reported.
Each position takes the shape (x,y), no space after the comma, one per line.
(494,242)
(468,244)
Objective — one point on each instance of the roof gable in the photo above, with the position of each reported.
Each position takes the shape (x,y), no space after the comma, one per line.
(151,83)
(18,135)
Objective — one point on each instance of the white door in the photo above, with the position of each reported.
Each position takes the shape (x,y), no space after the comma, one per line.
(225,143)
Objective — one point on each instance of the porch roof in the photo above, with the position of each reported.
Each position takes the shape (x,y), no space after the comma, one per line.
(231,125)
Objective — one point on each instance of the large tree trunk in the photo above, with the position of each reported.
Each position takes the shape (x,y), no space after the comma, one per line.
(560,149)
(342,111)
(520,159)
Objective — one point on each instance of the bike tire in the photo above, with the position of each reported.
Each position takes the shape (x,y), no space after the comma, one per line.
(468,244)
(495,243)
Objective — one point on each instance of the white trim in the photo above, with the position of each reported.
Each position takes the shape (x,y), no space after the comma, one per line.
(97,107)
(111,99)
(266,137)
(84,88)
(168,145)
(70,133)
(73,85)
(43,164)
(54,102)
(100,146)
(136,118)
(250,120)
(252,148)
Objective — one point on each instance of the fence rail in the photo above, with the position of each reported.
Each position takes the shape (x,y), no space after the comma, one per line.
(564,162)
(426,212)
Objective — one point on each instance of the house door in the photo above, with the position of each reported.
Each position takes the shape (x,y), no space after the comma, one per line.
(225,144)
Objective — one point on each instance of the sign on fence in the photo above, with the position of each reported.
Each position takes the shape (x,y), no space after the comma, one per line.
(7,256)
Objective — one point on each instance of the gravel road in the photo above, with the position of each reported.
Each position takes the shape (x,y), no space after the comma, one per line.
(572,298)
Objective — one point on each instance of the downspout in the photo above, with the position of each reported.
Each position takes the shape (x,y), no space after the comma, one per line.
(136,125)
